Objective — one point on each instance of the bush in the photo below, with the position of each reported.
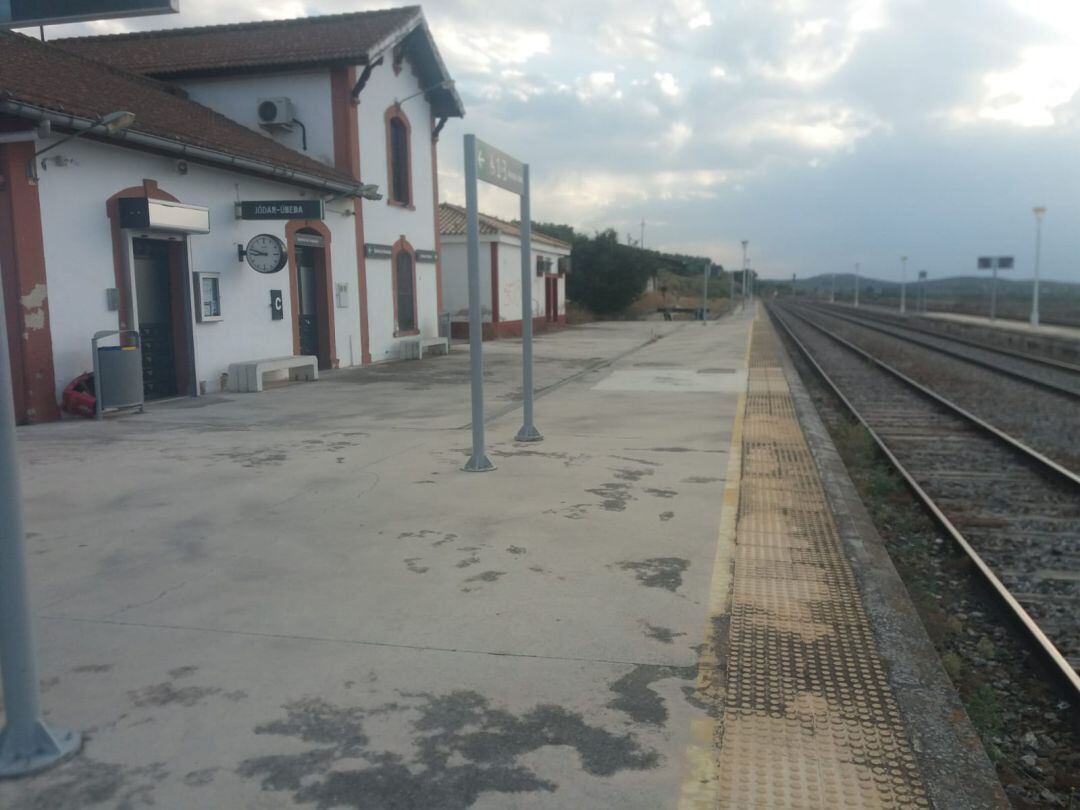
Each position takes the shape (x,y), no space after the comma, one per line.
(607,277)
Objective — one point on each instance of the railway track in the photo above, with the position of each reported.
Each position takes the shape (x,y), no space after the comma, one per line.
(1015,512)
(1045,372)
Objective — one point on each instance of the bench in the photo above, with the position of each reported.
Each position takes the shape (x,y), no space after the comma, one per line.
(416,349)
(248,377)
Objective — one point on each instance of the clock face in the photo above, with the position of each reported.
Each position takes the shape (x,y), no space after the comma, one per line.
(265,253)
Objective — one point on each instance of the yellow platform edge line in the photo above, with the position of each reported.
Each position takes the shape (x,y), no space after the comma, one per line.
(700,785)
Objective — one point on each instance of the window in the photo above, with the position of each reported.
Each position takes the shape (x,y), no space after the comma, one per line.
(208,290)
(398,157)
(405,292)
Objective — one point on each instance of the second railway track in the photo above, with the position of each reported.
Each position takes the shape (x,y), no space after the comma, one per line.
(1015,512)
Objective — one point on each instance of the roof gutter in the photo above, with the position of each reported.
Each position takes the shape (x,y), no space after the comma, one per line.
(196,153)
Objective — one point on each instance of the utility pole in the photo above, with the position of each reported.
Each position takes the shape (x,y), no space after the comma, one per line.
(642,243)
(856,284)
(832,293)
(903,285)
(1039,210)
(705,296)
(745,243)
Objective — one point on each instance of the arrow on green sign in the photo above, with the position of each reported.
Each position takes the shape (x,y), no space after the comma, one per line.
(498,168)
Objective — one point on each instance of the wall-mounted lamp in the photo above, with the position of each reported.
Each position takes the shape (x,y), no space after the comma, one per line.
(111,122)
(446,83)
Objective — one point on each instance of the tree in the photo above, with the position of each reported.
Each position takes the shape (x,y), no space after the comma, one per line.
(607,277)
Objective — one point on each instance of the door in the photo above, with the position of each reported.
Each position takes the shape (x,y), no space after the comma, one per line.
(551,298)
(306,286)
(155,307)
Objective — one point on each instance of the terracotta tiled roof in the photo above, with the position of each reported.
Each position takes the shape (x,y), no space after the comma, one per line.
(344,38)
(42,75)
(452,223)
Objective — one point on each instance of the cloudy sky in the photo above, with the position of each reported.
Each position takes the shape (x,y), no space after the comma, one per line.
(826,132)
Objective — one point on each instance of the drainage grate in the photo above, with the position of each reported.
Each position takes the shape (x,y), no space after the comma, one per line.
(809,717)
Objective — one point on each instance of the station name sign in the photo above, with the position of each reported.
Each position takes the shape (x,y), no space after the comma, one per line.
(20,13)
(280,209)
(498,168)
(374,251)
(427,256)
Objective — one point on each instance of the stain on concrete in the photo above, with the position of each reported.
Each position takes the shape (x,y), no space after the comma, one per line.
(574,511)
(427,534)
(93,668)
(538,569)
(636,699)
(700,479)
(182,672)
(661,493)
(264,457)
(487,576)
(665,635)
(658,572)
(672,449)
(200,778)
(84,782)
(515,549)
(646,462)
(412,563)
(165,694)
(462,748)
(472,559)
(614,496)
(666,516)
(235,695)
(628,474)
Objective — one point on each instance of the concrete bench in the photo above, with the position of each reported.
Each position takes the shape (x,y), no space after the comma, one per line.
(248,377)
(416,349)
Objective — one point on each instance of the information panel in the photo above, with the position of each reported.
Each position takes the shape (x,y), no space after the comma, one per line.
(20,13)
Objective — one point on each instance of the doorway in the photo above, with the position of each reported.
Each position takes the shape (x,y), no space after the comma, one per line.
(313,303)
(551,298)
(162,316)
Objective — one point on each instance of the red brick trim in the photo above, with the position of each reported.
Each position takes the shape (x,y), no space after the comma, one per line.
(149,189)
(495,284)
(392,112)
(324,290)
(435,215)
(400,245)
(459,330)
(347,158)
(25,287)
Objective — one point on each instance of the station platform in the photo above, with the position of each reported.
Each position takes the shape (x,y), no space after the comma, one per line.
(1022,327)
(833,696)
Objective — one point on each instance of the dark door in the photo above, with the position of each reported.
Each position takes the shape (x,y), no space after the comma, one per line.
(154,300)
(306,285)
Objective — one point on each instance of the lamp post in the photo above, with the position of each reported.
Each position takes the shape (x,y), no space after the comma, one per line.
(705,297)
(745,243)
(1039,210)
(903,285)
(856,284)
(832,292)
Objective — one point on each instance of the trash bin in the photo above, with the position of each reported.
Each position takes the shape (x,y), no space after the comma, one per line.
(118,372)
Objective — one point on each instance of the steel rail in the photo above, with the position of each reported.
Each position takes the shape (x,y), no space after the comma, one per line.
(1008,372)
(1051,362)
(1053,655)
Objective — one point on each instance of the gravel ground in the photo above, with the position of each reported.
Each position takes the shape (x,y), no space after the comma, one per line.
(1024,724)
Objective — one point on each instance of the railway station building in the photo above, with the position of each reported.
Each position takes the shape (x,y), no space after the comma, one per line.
(229,192)
(500,276)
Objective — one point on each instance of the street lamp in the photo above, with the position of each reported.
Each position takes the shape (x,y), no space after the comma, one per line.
(856,283)
(832,292)
(745,242)
(903,285)
(110,122)
(1039,210)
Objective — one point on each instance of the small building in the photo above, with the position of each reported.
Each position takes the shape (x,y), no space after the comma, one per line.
(500,276)
(284,132)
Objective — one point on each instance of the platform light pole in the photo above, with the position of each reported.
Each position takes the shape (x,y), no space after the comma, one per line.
(705,297)
(856,283)
(745,243)
(832,292)
(27,744)
(903,285)
(1040,211)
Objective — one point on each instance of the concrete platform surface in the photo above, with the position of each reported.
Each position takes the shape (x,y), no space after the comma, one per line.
(296,598)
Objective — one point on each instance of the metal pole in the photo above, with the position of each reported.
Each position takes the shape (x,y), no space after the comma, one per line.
(528,432)
(705,298)
(478,461)
(744,272)
(903,285)
(1039,211)
(26,743)
(856,283)
(993,290)
(832,293)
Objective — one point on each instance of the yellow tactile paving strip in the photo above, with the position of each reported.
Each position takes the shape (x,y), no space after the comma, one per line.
(809,718)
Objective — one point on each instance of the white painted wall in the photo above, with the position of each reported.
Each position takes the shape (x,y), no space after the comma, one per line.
(237,97)
(510,278)
(385,223)
(79,258)
(455,273)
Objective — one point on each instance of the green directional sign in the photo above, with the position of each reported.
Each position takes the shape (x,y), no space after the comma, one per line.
(498,168)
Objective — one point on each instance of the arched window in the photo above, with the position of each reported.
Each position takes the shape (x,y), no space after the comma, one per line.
(405,291)
(399,157)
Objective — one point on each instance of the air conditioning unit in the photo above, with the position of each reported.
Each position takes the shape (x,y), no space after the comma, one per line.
(276,113)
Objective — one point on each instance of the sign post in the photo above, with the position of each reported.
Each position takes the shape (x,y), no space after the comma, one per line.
(994,263)
(478,461)
(528,432)
(26,743)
